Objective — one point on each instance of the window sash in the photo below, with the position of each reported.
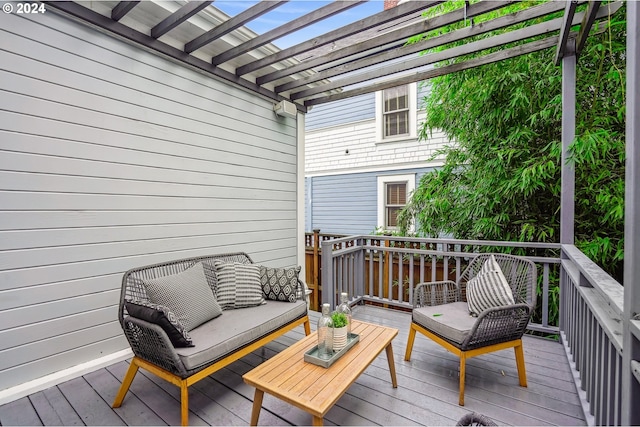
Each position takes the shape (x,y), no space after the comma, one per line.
(396,111)
(395,200)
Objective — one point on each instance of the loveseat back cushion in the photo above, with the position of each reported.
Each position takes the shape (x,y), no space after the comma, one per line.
(187,294)
(236,329)
(488,289)
(279,284)
(451,321)
(163,317)
(238,285)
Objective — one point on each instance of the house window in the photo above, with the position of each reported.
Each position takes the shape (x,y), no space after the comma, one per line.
(396,110)
(395,114)
(393,194)
(395,200)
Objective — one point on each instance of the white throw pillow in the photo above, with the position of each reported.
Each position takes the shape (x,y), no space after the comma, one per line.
(489,288)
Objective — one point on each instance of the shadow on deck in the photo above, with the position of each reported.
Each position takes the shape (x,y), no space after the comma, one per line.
(427,392)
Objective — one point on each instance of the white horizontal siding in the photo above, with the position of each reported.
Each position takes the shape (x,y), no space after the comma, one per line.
(326,150)
(113,158)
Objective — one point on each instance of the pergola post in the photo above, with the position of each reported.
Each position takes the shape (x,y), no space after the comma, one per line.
(631,327)
(568,175)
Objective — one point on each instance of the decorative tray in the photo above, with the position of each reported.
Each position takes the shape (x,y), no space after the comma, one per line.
(311,356)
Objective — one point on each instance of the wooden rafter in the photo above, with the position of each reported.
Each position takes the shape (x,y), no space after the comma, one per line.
(122,9)
(397,36)
(587,23)
(233,23)
(562,49)
(432,58)
(381,18)
(433,23)
(304,21)
(178,17)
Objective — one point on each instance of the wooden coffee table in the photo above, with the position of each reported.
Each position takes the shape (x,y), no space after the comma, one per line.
(313,388)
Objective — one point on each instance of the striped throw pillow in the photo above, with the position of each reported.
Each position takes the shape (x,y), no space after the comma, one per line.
(238,285)
(488,289)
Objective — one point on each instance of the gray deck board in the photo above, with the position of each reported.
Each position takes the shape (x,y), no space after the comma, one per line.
(19,412)
(54,409)
(427,392)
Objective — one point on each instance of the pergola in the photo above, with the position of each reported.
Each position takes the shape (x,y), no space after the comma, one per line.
(363,57)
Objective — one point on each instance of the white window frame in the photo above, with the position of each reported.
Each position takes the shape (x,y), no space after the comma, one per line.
(410,179)
(413,113)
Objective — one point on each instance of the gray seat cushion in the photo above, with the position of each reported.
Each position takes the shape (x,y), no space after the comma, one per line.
(451,321)
(237,328)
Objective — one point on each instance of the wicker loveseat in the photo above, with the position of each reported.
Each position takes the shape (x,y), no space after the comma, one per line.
(215,343)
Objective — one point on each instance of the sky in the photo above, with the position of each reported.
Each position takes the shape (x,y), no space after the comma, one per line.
(294,9)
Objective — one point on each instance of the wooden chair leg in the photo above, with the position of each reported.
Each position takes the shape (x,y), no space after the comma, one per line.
(307,327)
(126,383)
(463,362)
(522,373)
(184,403)
(412,337)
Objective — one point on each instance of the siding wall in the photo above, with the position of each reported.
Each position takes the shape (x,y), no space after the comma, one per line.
(347,204)
(340,112)
(112,158)
(326,149)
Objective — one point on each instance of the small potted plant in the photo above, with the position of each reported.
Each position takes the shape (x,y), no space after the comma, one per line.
(340,321)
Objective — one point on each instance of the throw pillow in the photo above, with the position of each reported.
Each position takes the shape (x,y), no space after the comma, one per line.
(488,289)
(279,284)
(163,317)
(238,285)
(187,294)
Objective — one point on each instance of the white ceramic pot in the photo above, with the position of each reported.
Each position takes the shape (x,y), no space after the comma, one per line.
(339,338)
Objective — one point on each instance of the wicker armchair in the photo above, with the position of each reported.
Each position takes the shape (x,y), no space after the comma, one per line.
(440,312)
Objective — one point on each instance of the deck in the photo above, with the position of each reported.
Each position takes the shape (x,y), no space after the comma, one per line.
(427,392)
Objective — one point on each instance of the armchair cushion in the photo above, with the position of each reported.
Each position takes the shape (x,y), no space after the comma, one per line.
(187,294)
(238,285)
(488,289)
(163,317)
(451,321)
(279,284)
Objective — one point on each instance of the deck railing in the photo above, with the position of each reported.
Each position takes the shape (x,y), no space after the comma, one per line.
(591,329)
(589,301)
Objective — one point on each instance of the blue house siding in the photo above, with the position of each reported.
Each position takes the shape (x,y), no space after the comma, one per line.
(346,204)
(349,110)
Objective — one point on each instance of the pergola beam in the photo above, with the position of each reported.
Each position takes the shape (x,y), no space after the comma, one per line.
(304,21)
(587,23)
(233,23)
(421,61)
(178,17)
(569,11)
(122,9)
(434,23)
(380,18)
(396,36)
(437,72)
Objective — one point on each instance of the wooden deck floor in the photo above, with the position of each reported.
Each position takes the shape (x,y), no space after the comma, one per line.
(427,392)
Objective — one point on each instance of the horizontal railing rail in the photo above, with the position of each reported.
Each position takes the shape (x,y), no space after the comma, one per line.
(384,270)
